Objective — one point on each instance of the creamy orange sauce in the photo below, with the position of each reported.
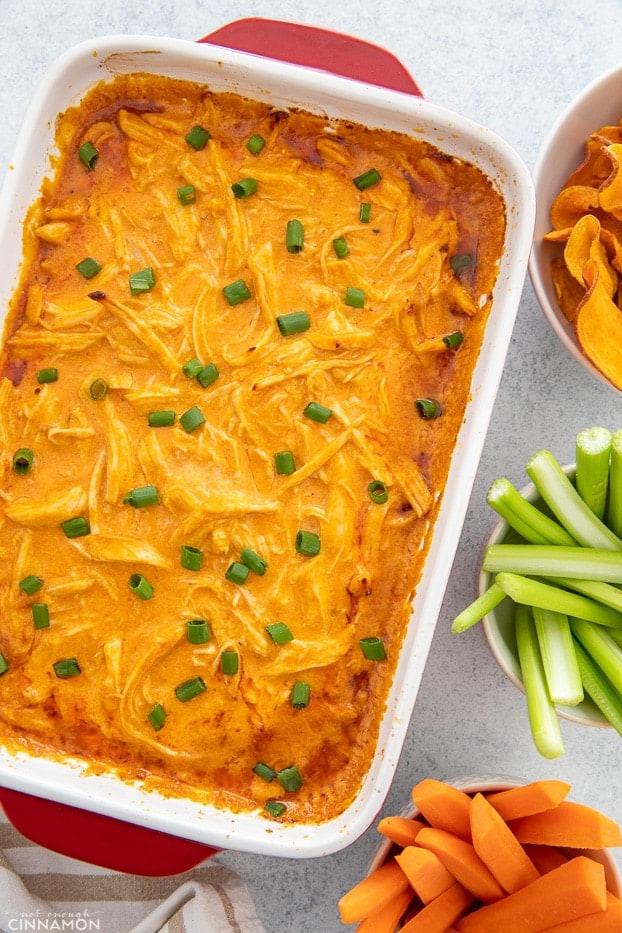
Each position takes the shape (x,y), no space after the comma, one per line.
(217,488)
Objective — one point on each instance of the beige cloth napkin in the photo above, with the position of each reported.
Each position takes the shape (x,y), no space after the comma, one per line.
(43,891)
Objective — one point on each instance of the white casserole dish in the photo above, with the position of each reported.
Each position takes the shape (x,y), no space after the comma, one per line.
(284,85)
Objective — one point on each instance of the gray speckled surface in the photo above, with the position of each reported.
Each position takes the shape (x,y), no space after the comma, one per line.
(512,67)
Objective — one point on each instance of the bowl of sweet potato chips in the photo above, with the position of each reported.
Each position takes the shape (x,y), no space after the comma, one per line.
(576,260)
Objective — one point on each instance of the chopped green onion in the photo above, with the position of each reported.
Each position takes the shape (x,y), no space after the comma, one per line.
(191,557)
(367,179)
(236,292)
(157,716)
(4,664)
(244,188)
(355,297)
(22,460)
(141,496)
(289,778)
(378,492)
(229,662)
(142,281)
(237,573)
(88,155)
(274,807)
(140,586)
(186,194)
(480,607)
(208,375)
(524,517)
(593,449)
(31,584)
(307,543)
(428,408)
(66,667)
(279,632)
(264,771)
(295,323)
(88,267)
(559,660)
(40,615)
(294,236)
(192,368)
(252,560)
(197,632)
(543,719)
(161,419)
(365,213)
(453,340)
(197,137)
(461,262)
(284,463)
(614,505)
(301,693)
(192,419)
(317,412)
(76,527)
(98,389)
(47,375)
(255,144)
(190,689)
(341,247)
(373,648)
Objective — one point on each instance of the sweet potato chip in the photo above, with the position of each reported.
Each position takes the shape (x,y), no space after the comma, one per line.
(571,204)
(569,292)
(599,326)
(596,166)
(610,191)
(584,243)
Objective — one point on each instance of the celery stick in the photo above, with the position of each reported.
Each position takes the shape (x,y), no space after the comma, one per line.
(604,695)
(476,610)
(567,505)
(535,593)
(524,517)
(543,720)
(542,560)
(592,448)
(558,657)
(614,507)
(595,589)
(602,648)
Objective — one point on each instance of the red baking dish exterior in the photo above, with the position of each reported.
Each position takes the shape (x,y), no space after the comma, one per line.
(108,822)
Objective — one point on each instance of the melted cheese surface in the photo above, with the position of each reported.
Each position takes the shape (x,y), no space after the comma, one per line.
(217,487)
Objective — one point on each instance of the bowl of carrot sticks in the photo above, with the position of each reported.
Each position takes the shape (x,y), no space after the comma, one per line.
(549,588)
(490,854)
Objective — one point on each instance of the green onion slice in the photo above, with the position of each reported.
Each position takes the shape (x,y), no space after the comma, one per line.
(98,389)
(161,419)
(264,771)
(237,573)
(373,648)
(66,667)
(428,408)
(289,778)
(208,375)
(367,179)
(192,368)
(255,144)
(31,584)
(142,496)
(317,412)
(294,236)
(378,492)
(355,297)
(76,527)
(341,247)
(88,267)
(236,292)
(4,664)
(186,194)
(22,460)
(197,632)
(88,155)
(40,615)
(295,323)
(461,262)
(140,586)
(301,693)
(192,419)
(244,187)
(365,213)
(191,557)
(453,340)
(190,689)
(197,137)
(47,375)
(229,662)
(279,632)
(274,807)
(284,463)
(307,543)
(142,281)
(157,716)
(252,560)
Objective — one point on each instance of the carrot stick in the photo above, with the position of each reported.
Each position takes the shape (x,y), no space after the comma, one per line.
(498,847)
(440,913)
(373,893)
(426,873)
(400,829)
(461,859)
(573,890)
(545,858)
(530,798)
(568,824)
(444,807)
(387,918)
(605,921)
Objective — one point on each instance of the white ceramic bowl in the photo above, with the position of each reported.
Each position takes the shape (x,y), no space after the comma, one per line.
(499,626)
(599,104)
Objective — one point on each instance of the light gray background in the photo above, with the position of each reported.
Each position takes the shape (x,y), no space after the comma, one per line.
(513,67)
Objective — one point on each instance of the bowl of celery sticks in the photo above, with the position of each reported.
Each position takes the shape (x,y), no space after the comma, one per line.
(550,588)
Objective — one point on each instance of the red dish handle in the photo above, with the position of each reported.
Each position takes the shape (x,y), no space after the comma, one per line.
(316,48)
